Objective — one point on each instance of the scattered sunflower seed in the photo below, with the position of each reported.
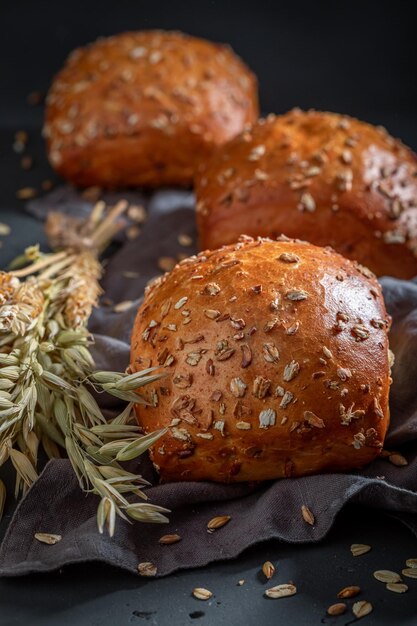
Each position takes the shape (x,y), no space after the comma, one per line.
(268,569)
(287,398)
(120,307)
(180,302)
(48,538)
(246,355)
(26,193)
(267,418)
(358,549)
(397,587)
(211,289)
(137,213)
(288,257)
(47,185)
(327,353)
(147,569)
(398,460)
(281,591)
(241,582)
(337,609)
(4,229)
(291,370)
(362,608)
(307,515)
(360,332)
(349,592)
(314,420)
(270,353)
(218,522)
(202,594)
(238,387)
(34,98)
(212,314)
(166,263)
(26,162)
(167,540)
(387,576)
(307,202)
(296,295)
(132,232)
(185,240)
(409,572)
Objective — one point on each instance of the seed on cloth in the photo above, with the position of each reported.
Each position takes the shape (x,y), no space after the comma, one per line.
(387,576)
(397,587)
(218,522)
(349,592)
(147,569)
(362,608)
(167,540)
(307,515)
(398,460)
(202,594)
(268,569)
(281,591)
(358,549)
(48,538)
(337,609)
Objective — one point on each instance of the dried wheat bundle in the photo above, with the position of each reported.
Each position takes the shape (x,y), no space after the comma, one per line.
(47,372)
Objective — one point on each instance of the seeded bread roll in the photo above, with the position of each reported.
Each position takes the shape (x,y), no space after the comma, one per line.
(277,362)
(143,108)
(326,178)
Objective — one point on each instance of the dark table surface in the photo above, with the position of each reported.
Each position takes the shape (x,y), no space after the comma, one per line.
(356,62)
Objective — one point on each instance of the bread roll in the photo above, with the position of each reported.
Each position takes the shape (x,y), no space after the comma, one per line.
(277,363)
(323,177)
(143,108)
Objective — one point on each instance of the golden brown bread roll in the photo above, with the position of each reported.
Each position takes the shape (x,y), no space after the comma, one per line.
(326,178)
(277,363)
(143,108)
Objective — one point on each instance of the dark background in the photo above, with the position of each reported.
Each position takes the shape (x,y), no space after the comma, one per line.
(353,57)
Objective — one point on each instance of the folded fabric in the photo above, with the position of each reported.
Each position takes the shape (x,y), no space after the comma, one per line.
(55,504)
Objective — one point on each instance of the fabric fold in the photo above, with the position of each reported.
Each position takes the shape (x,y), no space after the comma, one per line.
(55,503)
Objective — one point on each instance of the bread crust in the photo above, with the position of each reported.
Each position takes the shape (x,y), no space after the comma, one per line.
(277,362)
(323,177)
(143,108)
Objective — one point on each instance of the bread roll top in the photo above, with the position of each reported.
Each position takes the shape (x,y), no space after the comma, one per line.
(327,178)
(142,108)
(277,363)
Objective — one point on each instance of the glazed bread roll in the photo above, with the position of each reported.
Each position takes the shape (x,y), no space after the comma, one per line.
(143,108)
(326,178)
(277,362)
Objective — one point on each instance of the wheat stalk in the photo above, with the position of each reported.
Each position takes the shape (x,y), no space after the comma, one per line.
(47,372)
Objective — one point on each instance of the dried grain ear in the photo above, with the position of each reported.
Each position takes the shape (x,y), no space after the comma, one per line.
(46,326)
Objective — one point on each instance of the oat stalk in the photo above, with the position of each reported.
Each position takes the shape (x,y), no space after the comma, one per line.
(47,372)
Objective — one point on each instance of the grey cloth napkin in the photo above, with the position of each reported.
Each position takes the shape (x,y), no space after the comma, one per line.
(55,503)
